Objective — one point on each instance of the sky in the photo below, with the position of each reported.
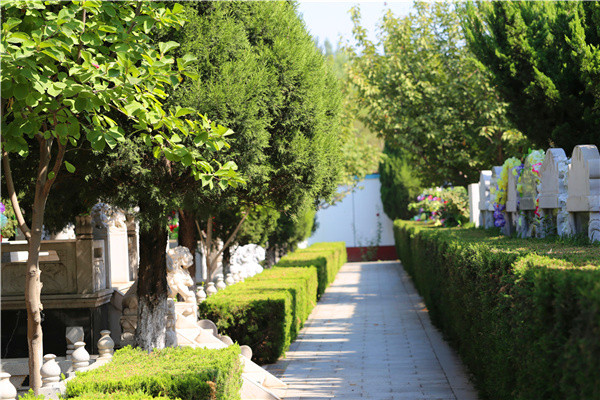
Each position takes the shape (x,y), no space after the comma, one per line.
(331,20)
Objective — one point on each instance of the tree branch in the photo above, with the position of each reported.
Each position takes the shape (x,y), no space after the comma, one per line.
(137,13)
(232,236)
(200,233)
(57,163)
(13,196)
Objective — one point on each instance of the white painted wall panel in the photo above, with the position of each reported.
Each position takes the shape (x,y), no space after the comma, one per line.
(354,220)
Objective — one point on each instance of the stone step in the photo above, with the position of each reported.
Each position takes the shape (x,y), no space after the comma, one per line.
(254,391)
(267,379)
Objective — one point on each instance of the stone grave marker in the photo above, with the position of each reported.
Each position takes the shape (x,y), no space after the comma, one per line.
(583,201)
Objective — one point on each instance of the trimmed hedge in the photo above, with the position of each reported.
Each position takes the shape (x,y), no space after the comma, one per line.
(523,313)
(265,311)
(327,257)
(173,373)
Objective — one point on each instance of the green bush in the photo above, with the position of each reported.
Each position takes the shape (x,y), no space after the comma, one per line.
(327,257)
(184,373)
(523,313)
(265,311)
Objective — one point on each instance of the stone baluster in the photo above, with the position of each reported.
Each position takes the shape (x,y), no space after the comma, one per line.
(7,389)
(211,289)
(73,335)
(229,281)
(106,345)
(80,357)
(220,283)
(200,294)
(246,351)
(50,371)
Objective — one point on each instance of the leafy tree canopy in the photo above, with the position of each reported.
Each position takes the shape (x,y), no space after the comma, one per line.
(545,59)
(428,96)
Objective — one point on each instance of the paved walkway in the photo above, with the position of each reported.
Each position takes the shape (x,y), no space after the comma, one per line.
(370,337)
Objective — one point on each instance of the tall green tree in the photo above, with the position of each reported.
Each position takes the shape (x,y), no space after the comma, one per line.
(64,67)
(262,75)
(427,95)
(544,58)
(360,147)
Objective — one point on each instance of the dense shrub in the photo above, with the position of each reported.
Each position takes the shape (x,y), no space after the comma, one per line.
(184,373)
(328,257)
(265,311)
(524,314)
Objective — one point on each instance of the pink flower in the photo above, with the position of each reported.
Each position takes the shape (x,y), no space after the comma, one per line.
(96,65)
(430,197)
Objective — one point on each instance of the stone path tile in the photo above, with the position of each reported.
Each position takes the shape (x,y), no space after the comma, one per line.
(370,337)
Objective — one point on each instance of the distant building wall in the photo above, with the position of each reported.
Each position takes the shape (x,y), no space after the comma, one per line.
(356,220)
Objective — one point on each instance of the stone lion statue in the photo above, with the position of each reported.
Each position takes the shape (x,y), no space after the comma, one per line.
(179,279)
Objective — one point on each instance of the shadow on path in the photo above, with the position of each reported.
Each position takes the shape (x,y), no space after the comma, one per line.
(370,337)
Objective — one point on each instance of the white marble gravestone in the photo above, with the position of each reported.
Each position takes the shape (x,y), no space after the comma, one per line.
(553,193)
(109,225)
(485,218)
(583,201)
(474,203)
(512,202)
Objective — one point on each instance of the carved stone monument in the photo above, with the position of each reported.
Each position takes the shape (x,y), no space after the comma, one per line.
(553,193)
(583,201)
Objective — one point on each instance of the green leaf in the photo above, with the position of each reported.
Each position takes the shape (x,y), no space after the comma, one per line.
(70,167)
(184,111)
(165,47)
(51,175)
(11,23)
(187,159)
(20,91)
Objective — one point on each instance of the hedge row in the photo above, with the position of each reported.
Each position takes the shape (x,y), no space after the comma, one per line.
(267,311)
(523,314)
(172,373)
(328,257)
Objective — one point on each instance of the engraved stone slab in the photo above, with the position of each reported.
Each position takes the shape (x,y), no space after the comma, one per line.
(584,180)
(552,184)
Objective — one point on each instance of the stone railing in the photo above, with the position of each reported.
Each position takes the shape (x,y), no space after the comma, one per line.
(70,267)
(561,196)
(15,371)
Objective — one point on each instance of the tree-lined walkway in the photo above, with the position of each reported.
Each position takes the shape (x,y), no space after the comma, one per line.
(370,337)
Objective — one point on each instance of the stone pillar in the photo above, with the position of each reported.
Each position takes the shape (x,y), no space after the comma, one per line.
(133,239)
(109,225)
(90,278)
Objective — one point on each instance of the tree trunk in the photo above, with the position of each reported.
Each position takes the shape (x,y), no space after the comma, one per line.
(152,289)
(33,286)
(188,236)
(226,260)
